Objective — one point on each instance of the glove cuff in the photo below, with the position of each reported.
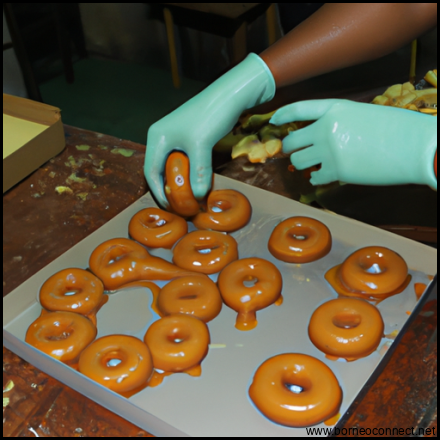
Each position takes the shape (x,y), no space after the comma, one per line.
(269,83)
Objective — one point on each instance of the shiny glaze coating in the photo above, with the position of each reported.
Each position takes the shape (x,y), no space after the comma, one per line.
(178,187)
(248,300)
(120,261)
(235,213)
(156,228)
(348,328)
(195,296)
(72,290)
(373,270)
(332,276)
(177,342)
(300,240)
(132,373)
(319,400)
(205,251)
(62,335)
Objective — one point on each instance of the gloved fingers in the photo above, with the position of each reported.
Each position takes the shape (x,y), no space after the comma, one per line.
(302,111)
(200,163)
(324,176)
(154,169)
(306,158)
(299,139)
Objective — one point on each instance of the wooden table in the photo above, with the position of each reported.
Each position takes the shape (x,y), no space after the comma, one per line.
(95,178)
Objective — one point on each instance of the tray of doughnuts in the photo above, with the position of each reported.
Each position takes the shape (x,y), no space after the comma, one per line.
(276,296)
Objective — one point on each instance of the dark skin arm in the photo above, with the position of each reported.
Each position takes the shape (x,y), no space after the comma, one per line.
(344,34)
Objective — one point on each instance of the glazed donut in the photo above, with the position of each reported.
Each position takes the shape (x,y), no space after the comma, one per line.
(195,296)
(73,290)
(348,328)
(300,240)
(62,335)
(178,187)
(156,228)
(205,251)
(120,261)
(373,273)
(119,362)
(226,211)
(178,343)
(266,290)
(275,387)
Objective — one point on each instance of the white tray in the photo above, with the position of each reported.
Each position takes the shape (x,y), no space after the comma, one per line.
(217,403)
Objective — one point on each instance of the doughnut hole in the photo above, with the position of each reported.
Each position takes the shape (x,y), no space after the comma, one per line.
(71,292)
(205,249)
(63,332)
(154,221)
(250,281)
(113,358)
(178,336)
(221,206)
(299,233)
(347,319)
(373,264)
(296,383)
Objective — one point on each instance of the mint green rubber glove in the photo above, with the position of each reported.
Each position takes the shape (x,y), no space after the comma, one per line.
(361,143)
(200,123)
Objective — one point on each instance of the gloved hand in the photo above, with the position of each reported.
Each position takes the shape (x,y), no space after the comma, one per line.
(361,143)
(200,123)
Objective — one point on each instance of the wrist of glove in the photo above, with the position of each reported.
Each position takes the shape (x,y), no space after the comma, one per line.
(361,143)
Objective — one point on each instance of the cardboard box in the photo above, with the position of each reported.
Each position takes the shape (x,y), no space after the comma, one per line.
(32,134)
(217,402)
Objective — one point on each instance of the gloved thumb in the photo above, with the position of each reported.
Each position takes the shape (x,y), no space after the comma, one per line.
(200,163)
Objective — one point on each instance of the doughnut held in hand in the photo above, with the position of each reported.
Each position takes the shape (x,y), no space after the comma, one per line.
(178,186)
(296,390)
(348,328)
(250,285)
(226,211)
(300,240)
(205,251)
(156,228)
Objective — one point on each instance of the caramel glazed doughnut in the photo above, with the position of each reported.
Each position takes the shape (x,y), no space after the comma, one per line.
(178,343)
(373,273)
(195,296)
(207,252)
(178,187)
(73,290)
(119,362)
(296,390)
(265,285)
(156,228)
(300,240)
(226,210)
(62,335)
(120,261)
(348,328)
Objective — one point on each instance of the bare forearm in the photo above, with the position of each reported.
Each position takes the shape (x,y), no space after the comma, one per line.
(344,34)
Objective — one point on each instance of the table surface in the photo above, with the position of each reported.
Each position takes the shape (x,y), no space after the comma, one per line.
(91,181)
